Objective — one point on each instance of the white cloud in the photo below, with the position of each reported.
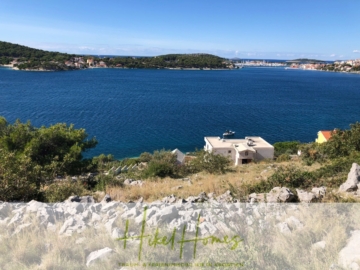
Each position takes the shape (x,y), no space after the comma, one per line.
(332,55)
(86,48)
(356,51)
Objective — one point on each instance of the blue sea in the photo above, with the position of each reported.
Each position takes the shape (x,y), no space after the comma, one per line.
(131,111)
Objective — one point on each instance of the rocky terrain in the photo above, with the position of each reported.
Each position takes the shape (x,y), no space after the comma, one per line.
(204,231)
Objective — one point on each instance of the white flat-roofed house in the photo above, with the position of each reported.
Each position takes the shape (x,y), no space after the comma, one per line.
(241,151)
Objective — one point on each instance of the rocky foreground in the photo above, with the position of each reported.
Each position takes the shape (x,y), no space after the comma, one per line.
(203,231)
(327,236)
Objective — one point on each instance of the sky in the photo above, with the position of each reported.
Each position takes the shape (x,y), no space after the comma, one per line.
(257,29)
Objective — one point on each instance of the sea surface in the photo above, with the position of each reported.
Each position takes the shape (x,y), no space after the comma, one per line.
(131,111)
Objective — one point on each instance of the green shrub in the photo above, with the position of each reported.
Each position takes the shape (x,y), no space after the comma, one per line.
(283,157)
(333,174)
(312,152)
(162,164)
(286,176)
(286,147)
(129,161)
(145,157)
(101,160)
(58,192)
(104,181)
(159,169)
(209,162)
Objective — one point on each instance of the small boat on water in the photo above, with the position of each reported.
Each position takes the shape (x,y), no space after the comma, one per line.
(228,133)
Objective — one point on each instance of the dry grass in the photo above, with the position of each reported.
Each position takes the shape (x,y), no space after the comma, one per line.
(157,188)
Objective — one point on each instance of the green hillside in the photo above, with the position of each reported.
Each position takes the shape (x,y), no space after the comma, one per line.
(26,58)
(17,51)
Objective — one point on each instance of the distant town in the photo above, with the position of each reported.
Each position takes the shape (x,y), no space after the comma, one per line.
(305,64)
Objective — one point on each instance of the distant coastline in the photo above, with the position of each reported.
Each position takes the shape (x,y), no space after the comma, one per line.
(20,57)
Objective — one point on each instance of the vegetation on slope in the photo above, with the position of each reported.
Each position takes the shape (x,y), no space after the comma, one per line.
(29,58)
(34,59)
(30,156)
(18,51)
(169,61)
(32,159)
(306,60)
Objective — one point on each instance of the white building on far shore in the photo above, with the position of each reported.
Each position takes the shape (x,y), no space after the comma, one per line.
(241,151)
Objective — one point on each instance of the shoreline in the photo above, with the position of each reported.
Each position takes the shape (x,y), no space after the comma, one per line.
(154,68)
(166,68)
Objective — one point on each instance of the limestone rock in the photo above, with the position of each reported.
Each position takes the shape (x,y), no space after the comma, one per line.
(351,252)
(87,199)
(284,228)
(133,182)
(353,179)
(169,199)
(137,183)
(294,223)
(33,206)
(254,197)
(305,196)
(319,245)
(280,194)
(226,198)
(128,181)
(98,255)
(165,215)
(46,215)
(117,233)
(319,192)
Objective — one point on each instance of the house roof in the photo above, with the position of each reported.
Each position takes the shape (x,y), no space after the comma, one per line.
(244,147)
(180,156)
(326,134)
(217,142)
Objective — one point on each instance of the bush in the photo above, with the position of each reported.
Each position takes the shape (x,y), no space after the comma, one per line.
(101,161)
(283,157)
(162,164)
(286,176)
(58,192)
(311,153)
(18,178)
(286,147)
(160,169)
(335,172)
(129,161)
(103,181)
(145,157)
(30,156)
(209,162)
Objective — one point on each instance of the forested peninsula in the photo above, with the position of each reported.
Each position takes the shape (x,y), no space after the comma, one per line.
(25,58)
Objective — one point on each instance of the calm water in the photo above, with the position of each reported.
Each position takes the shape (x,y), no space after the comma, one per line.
(132,111)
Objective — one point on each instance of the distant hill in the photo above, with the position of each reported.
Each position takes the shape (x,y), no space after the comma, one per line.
(305,60)
(33,59)
(16,51)
(28,58)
